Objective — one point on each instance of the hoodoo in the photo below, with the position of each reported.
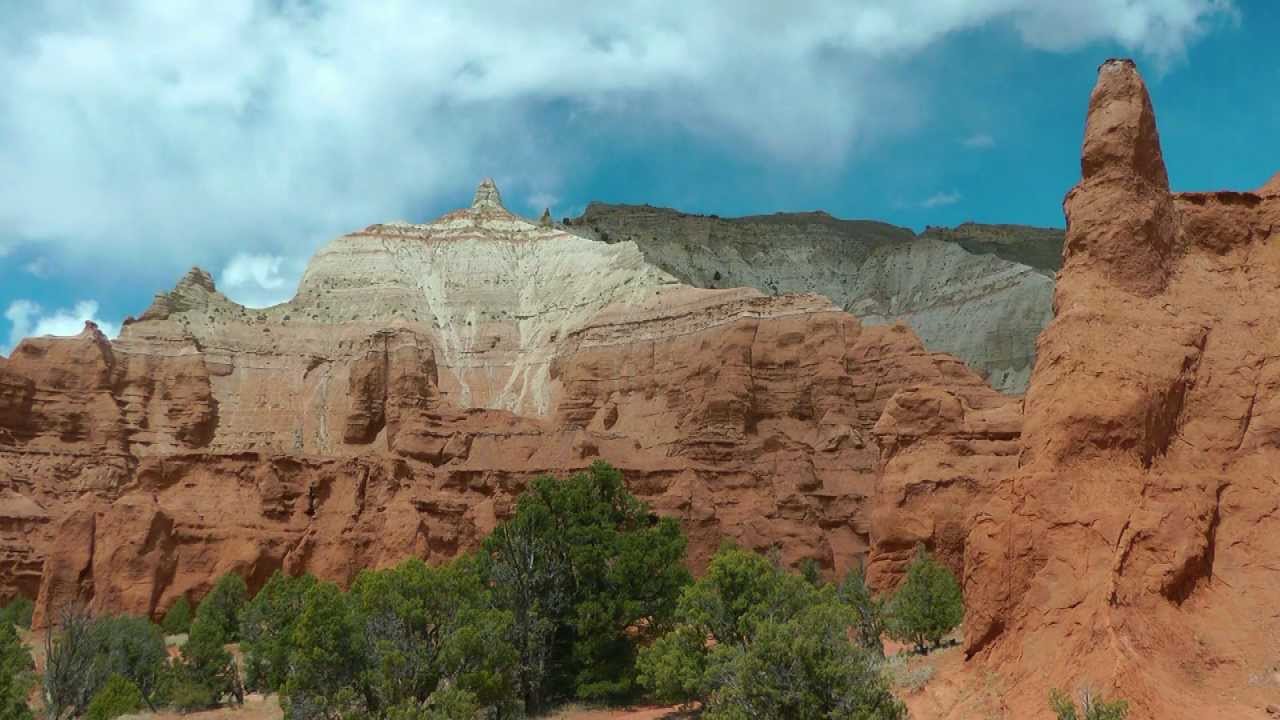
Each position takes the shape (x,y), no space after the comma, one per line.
(1135,547)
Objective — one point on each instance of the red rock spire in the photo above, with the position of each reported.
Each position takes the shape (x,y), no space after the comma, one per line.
(1120,217)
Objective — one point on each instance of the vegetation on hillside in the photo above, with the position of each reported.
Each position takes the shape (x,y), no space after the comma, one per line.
(16,675)
(1091,707)
(18,612)
(927,607)
(753,640)
(582,594)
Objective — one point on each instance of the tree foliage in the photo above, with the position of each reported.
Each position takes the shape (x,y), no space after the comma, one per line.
(132,648)
(18,612)
(70,676)
(752,640)
(118,696)
(16,675)
(177,621)
(927,606)
(206,675)
(266,629)
(407,642)
(868,610)
(589,576)
(220,609)
(1090,708)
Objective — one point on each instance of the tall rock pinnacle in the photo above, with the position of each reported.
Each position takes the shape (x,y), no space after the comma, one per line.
(487,196)
(1120,215)
(1120,136)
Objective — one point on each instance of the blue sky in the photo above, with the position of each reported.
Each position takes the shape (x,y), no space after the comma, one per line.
(141,138)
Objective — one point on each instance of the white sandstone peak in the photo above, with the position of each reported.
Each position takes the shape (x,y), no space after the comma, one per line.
(487,196)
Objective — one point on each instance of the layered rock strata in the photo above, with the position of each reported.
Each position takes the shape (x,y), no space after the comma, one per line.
(400,402)
(979,292)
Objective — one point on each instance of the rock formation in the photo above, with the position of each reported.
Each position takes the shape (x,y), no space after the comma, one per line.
(400,402)
(979,292)
(1136,547)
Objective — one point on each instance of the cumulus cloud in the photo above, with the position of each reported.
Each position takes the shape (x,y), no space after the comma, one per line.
(941,199)
(260,280)
(979,141)
(179,131)
(28,319)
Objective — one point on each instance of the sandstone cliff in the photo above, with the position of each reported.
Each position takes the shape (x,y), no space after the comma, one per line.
(1134,545)
(979,292)
(397,406)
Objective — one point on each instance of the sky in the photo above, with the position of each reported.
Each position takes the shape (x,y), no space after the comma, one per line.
(141,137)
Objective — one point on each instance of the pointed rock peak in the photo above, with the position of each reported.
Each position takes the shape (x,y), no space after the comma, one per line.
(1272,187)
(545,220)
(1120,137)
(197,277)
(487,196)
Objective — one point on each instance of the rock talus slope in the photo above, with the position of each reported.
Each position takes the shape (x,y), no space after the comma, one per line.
(1136,547)
(400,402)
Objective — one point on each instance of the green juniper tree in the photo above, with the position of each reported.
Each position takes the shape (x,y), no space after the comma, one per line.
(589,576)
(869,611)
(177,621)
(118,696)
(18,612)
(754,641)
(17,675)
(266,629)
(927,606)
(221,607)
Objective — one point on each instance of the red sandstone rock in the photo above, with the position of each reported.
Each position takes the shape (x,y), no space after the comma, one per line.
(399,405)
(1136,547)
(944,454)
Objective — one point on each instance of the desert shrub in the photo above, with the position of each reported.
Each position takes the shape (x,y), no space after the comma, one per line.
(132,648)
(1090,708)
(118,696)
(18,612)
(927,606)
(446,704)
(189,695)
(589,576)
(221,608)
(71,674)
(16,675)
(266,630)
(83,653)
(177,621)
(752,640)
(903,675)
(810,571)
(869,622)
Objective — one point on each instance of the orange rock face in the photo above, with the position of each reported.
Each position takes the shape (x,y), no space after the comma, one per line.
(1136,547)
(399,405)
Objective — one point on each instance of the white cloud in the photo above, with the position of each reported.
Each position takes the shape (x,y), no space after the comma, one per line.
(260,280)
(39,267)
(979,141)
(941,199)
(178,132)
(28,319)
